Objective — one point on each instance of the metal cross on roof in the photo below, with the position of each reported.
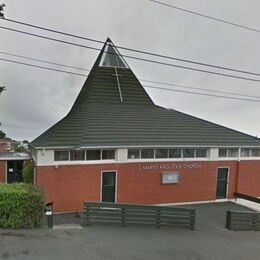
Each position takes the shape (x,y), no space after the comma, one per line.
(118,83)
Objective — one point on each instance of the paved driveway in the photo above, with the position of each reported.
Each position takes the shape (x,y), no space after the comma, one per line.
(209,216)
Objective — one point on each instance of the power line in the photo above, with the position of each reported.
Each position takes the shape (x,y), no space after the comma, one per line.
(42,67)
(203,94)
(133,57)
(143,80)
(148,86)
(202,89)
(134,50)
(40,60)
(206,16)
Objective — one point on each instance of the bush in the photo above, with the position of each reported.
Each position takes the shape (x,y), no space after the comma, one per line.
(21,206)
(28,172)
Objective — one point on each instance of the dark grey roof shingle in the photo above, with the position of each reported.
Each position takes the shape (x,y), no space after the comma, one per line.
(99,118)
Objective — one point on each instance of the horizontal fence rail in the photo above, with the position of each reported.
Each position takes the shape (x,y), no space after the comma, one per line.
(138,215)
(243,220)
(246,197)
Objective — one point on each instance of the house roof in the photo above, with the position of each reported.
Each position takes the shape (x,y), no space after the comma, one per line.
(114,110)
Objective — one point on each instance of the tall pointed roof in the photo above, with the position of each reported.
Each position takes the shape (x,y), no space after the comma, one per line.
(114,110)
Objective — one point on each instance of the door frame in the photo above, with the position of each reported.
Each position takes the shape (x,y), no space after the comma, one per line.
(227,188)
(101,184)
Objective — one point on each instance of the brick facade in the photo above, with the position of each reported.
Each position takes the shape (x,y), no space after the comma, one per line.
(2,171)
(7,146)
(68,186)
(249,178)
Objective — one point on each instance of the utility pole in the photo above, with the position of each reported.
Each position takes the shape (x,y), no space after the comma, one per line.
(2,11)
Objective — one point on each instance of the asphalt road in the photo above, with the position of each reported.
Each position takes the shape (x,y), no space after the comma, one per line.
(129,243)
(209,241)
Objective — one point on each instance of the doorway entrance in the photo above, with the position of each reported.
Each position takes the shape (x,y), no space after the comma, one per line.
(222,182)
(108,186)
(14,171)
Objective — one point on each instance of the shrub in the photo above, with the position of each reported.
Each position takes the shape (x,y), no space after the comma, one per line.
(21,206)
(28,172)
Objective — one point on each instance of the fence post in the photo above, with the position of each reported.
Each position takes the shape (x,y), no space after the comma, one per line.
(158,218)
(193,219)
(123,217)
(254,222)
(228,220)
(87,222)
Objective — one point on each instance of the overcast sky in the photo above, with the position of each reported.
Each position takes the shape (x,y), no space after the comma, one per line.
(35,99)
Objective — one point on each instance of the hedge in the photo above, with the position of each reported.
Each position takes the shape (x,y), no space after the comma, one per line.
(21,206)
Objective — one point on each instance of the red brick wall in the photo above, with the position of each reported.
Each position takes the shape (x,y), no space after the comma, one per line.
(2,171)
(69,186)
(249,178)
(4,146)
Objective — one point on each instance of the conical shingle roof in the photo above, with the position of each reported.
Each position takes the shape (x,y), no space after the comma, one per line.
(114,110)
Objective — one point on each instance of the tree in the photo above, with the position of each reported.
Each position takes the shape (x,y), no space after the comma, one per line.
(2,10)
(28,170)
(2,88)
(2,135)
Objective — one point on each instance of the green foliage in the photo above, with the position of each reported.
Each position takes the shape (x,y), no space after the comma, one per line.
(21,206)
(2,135)
(20,149)
(28,172)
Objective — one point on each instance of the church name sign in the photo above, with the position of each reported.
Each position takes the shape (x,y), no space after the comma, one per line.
(172,166)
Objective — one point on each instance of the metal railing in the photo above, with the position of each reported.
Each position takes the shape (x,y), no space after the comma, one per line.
(246,197)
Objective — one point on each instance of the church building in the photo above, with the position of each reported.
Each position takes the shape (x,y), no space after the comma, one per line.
(116,145)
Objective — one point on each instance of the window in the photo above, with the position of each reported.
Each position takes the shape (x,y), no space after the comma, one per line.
(161,153)
(255,152)
(228,152)
(108,154)
(188,153)
(232,152)
(169,178)
(147,153)
(93,155)
(61,155)
(245,152)
(133,154)
(175,153)
(201,153)
(222,152)
(77,155)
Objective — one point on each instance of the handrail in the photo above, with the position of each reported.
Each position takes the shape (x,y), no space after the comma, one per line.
(246,197)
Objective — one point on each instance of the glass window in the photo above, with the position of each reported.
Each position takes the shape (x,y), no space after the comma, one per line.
(93,155)
(245,152)
(174,153)
(161,153)
(201,152)
(188,153)
(222,152)
(232,152)
(108,154)
(168,178)
(133,154)
(112,58)
(255,152)
(147,153)
(61,155)
(77,155)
